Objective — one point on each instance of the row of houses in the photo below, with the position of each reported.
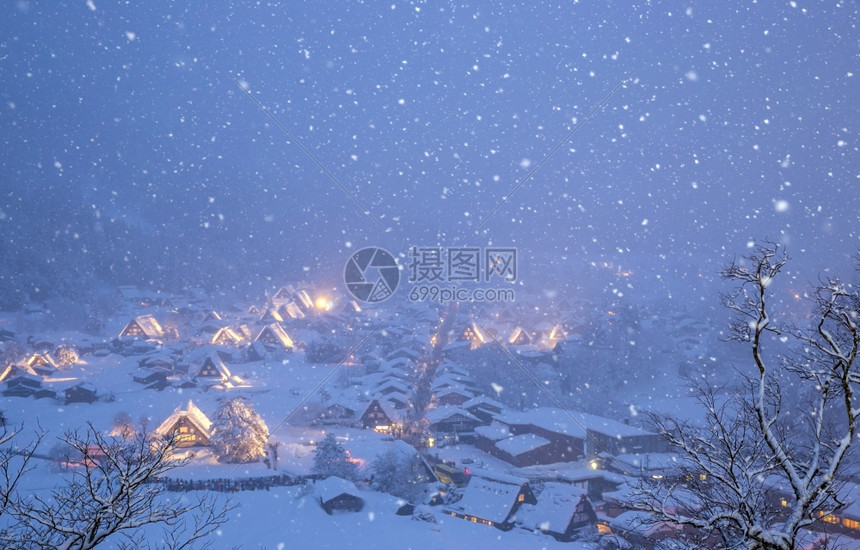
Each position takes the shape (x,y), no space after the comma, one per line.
(503,501)
(544,337)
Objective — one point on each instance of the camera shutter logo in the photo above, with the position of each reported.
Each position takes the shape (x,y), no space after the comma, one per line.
(371,274)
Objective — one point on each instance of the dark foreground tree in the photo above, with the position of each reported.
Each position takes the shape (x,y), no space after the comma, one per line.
(764,468)
(112,494)
(240,433)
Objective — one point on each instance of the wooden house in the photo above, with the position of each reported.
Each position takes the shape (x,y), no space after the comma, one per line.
(492,499)
(226,336)
(380,416)
(83,392)
(338,495)
(190,426)
(556,334)
(43,360)
(23,385)
(561,511)
(474,334)
(274,335)
(213,369)
(160,361)
(452,421)
(340,413)
(148,377)
(567,438)
(290,310)
(283,295)
(452,396)
(144,327)
(213,316)
(270,315)
(519,337)
(484,408)
(522,450)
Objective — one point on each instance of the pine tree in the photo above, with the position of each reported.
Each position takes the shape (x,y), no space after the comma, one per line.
(240,434)
(333,460)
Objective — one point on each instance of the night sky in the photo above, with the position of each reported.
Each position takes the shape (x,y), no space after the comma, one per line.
(731,122)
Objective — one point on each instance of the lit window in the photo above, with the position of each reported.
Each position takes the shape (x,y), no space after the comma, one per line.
(521,498)
(851,523)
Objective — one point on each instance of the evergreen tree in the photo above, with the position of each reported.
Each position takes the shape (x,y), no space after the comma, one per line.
(333,460)
(240,434)
(399,474)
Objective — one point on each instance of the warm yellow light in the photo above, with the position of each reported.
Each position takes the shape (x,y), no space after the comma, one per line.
(322,303)
(594,464)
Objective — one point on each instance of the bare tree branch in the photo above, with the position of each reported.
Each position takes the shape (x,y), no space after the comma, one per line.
(761,472)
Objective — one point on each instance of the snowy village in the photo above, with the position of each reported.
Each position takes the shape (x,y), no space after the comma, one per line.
(429,275)
(396,414)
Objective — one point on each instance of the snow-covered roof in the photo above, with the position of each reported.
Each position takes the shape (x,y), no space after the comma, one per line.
(548,418)
(490,499)
(390,364)
(396,385)
(226,334)
(190,413)
(481,400)
(443,413)
(275,334)
(332,487)
(145,324)
(454,391)
(555,507)
(520,444)
(493,432)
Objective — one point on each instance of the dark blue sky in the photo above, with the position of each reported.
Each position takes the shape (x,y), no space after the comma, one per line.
(738,122)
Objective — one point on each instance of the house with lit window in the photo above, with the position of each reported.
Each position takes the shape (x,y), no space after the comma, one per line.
(492,499)
(561,511)
(519,337)
(274,335)
(381,416)
(474,334)
(452,422)
(191,427)
(213,369)
(226,336)
(144,327)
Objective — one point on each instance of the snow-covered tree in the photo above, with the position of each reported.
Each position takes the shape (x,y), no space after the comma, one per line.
(399,474)
(331,459)
(761,471)
(240,434)
(110,498)
(15,463)
(66,356)
(123,426)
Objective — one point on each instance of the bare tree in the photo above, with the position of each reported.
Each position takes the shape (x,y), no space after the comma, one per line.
(762,470)
(114,493)
(15,463)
